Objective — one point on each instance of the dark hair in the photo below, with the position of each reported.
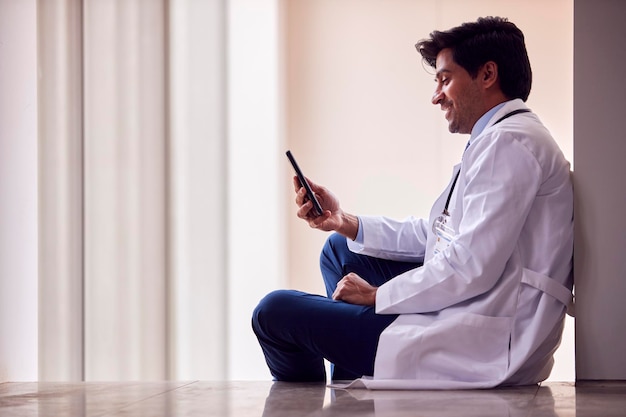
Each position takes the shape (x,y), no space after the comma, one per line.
(488,39)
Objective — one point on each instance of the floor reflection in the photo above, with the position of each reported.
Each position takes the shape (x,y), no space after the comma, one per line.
(279,399)
(286,399)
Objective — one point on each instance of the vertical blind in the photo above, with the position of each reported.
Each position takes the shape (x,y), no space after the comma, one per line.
(144,204)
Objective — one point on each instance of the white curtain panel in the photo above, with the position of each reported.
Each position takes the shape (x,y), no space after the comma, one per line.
(125,225)
(145,257)
(60,126)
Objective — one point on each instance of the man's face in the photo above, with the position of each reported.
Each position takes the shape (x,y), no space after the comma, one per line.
(457,93)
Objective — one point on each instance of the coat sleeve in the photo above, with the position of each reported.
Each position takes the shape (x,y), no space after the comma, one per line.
(499,180)
(398,240)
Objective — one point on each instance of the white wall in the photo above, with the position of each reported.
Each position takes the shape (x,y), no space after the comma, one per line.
(18,190)
(359,117)
(600,266)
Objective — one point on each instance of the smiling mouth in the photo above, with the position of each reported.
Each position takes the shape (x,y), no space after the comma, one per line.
(447,108)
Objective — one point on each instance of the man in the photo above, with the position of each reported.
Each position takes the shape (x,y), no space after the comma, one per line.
(475,295)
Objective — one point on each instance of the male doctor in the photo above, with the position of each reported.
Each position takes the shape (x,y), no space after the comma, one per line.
(475,295)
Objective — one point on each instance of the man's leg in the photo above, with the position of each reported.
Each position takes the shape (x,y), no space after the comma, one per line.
(337,260)
(298,330)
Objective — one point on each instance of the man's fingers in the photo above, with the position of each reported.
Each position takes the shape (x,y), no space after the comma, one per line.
(339,289)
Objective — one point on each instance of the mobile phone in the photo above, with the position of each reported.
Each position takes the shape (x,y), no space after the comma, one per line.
(317,208)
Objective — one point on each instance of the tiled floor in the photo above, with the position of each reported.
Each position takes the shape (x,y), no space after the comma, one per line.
(233,399)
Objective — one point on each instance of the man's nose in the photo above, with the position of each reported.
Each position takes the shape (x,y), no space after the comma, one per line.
(437,97)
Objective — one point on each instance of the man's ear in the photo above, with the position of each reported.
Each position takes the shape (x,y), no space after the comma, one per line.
(489,74)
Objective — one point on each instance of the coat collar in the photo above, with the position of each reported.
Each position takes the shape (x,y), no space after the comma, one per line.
(509,106)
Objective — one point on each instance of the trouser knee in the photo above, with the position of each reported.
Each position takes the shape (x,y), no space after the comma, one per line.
(332,261)
(271,309)
(334,246)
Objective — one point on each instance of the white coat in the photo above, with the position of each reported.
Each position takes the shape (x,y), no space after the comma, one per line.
(489,309)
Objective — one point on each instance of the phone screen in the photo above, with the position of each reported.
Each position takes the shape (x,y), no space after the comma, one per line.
(317,208)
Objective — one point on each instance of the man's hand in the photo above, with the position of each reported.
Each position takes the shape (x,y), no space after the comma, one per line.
(333,218)
(355,290)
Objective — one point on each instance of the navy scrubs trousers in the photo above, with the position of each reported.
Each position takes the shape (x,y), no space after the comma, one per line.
(297,331)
